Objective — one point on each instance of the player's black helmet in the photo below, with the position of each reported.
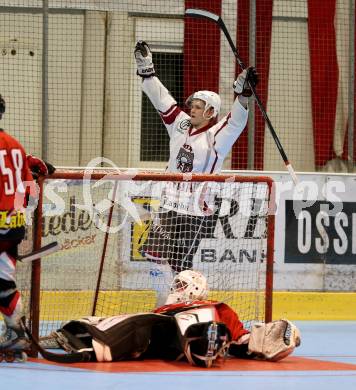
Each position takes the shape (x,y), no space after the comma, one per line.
(2,106)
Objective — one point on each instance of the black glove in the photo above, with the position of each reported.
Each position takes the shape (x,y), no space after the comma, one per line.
(39,167)
(2,106)
(241,84)
(51,169)
(143,58)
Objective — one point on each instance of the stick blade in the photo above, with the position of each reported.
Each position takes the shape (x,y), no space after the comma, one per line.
(44,251)
(202,13)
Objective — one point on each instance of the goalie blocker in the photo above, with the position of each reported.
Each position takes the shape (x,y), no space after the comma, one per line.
(190,331)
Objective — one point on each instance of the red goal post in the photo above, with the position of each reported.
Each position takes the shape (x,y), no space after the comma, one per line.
(102,217)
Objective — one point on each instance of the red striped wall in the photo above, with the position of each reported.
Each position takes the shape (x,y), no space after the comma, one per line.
(201,49)
(263,50)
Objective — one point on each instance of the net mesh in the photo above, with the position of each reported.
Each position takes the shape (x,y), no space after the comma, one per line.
(68,75)
(103,268)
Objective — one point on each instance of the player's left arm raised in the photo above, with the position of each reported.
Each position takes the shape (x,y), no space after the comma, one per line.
(230,129)
(241,86)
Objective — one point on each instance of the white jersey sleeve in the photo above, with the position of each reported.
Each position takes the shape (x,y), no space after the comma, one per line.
(163,102)
(229,128)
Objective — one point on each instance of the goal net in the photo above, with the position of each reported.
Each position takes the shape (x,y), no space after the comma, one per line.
(102,218)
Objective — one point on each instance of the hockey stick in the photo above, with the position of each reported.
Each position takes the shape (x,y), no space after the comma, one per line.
(199,13)
(36,254)
(73,357)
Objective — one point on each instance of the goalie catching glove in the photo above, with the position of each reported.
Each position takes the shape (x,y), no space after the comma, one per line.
(246,78)
(143,58)
(273,341)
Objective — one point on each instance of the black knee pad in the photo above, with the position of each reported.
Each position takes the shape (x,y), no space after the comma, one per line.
(6,300)
(6,285)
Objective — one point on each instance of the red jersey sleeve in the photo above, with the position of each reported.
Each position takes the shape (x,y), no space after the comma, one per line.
(224,313)
(231,320)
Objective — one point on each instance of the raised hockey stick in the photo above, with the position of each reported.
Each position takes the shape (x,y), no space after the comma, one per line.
(199,13)
(36,254)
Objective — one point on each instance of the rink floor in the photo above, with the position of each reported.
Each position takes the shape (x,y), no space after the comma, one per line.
(326,360)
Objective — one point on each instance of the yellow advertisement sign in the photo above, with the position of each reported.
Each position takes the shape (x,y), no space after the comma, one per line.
(139,232)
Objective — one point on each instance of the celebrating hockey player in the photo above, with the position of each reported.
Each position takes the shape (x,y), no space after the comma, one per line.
(188,327)
(199,143)
(16,184)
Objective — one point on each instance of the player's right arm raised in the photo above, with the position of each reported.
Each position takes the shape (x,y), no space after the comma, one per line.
(143,58)
(158,94)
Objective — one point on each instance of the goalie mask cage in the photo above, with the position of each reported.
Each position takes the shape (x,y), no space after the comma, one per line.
(101,220)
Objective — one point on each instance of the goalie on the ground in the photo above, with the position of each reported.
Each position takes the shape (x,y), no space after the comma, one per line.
(188,327)
(272,341)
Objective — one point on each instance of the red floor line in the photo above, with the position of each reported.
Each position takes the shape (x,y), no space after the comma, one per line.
(288,364)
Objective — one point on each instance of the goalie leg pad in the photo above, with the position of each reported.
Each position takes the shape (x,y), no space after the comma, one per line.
(72,342)
(102,351)
(273,341)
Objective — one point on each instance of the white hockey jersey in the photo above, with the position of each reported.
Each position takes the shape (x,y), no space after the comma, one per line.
(195,150)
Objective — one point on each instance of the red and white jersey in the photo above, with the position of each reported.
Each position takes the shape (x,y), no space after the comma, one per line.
(221,312)
(195,150)
(14,171)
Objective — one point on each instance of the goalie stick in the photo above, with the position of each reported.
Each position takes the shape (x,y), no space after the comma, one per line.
(73,357)
(199,13)
(36,254)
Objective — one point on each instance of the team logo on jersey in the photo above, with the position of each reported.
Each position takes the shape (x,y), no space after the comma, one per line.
(185,159)
(183,126)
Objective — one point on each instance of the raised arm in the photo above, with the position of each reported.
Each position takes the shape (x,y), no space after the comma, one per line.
(158,94)
(230,128)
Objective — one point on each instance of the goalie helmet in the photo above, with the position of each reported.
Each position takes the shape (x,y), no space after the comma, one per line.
(188,286)
(205,342)
(2,106)
(210,98)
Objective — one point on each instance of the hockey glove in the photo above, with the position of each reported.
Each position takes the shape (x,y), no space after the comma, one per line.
(273,341)
(2,106)
(241,84)
(143,58)
(39,167)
